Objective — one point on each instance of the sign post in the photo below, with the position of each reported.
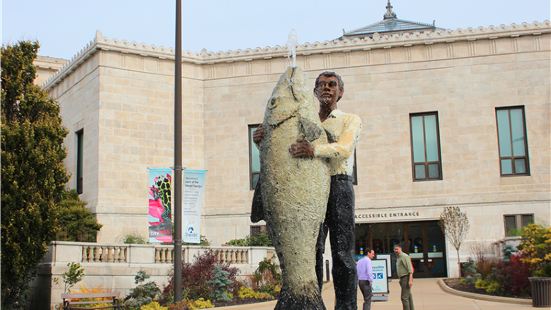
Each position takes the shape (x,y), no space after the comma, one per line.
(380,280)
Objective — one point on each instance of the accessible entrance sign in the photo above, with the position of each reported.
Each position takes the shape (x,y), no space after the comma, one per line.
(380,279)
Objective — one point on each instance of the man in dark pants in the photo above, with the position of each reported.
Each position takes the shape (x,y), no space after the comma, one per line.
(343,131)
(365,277)
(404,269)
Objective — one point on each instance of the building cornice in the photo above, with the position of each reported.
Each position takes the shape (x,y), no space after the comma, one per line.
(377,41)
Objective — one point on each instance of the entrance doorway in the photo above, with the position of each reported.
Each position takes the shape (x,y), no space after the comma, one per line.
(423,241)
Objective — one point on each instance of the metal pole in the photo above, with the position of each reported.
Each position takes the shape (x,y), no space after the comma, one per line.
(178,156)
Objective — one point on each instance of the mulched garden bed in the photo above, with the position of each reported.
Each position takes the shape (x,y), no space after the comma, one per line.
(456,284)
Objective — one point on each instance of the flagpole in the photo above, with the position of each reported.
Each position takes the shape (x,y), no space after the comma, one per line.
(178,156)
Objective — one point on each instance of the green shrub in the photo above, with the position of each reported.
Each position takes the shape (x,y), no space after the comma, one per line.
(493,287)
(153,306)
(134,238)
(248,293)
(267,277)
(468,268)
(142,294)
(76,222)
(261,239)
(220,283)
(470,279)
(490,286)
(187,304)
(201,303)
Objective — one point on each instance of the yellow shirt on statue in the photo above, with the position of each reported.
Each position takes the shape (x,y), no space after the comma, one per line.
(343,131)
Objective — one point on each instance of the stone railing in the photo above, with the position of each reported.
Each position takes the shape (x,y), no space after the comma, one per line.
(104,253)
(93,253)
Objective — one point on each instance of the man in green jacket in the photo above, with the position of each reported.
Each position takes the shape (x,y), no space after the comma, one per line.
(405,273)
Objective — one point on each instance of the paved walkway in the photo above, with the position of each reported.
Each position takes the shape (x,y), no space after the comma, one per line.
(427,295)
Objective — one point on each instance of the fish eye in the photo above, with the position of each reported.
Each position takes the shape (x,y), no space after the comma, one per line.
(272,103)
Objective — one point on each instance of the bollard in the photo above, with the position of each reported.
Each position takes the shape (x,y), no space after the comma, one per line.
(327,273)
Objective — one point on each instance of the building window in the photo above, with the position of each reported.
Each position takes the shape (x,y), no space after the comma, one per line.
(425,147)
(80,143)
(258,229)
(513,147)
(254,158)
(515,222)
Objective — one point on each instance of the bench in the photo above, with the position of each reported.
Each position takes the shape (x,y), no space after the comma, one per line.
(75,301)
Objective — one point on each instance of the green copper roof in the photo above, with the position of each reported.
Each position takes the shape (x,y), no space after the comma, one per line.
(390,23)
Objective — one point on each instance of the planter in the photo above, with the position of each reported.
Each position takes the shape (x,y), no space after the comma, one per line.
(541,291)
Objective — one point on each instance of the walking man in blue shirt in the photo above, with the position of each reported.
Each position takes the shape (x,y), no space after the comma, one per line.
(365,277)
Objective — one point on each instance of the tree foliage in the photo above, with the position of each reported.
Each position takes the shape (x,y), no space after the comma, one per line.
(535,249)
(455,225)
(76,222)
(33,174)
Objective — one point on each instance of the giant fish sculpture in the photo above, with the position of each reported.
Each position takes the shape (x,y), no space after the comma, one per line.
(294,191)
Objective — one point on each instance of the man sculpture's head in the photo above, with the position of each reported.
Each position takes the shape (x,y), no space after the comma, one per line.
(329,88)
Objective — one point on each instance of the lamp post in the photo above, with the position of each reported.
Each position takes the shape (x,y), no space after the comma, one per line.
(178,156)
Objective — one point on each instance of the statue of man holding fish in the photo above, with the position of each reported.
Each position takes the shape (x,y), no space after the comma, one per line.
(305,188)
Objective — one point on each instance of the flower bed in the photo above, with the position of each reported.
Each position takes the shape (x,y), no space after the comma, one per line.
(207,284)
(508,277)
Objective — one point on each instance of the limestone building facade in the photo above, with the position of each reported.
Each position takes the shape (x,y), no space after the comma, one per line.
(450,118)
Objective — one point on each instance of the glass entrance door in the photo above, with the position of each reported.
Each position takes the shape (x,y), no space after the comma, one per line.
(423,241)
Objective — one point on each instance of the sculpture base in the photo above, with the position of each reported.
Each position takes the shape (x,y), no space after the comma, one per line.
(308,300)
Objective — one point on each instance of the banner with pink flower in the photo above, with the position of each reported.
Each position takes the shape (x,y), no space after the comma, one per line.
(160,205)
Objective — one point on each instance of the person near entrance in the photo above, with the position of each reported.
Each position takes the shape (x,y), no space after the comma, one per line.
(365,277)
(404,269)
(343,131)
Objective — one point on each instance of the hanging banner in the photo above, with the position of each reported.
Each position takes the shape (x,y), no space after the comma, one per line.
(160,206)
(194,187)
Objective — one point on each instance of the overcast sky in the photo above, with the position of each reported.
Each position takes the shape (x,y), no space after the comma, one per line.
(63,27)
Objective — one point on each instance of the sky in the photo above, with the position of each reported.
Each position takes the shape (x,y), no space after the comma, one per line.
(63,27)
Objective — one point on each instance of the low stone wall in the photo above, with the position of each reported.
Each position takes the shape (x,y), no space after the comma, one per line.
(113,266)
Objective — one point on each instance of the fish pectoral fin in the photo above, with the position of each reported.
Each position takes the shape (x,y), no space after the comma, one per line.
(310,129)
(257,208)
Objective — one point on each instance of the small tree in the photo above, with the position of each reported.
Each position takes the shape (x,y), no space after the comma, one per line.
(455,225)
(73,275)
